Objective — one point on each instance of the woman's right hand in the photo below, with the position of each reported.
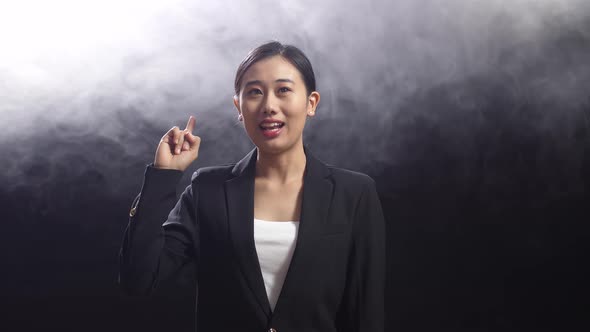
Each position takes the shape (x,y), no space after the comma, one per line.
(178,148)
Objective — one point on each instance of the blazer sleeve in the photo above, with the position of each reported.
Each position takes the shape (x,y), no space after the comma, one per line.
(363,304)
(160,241)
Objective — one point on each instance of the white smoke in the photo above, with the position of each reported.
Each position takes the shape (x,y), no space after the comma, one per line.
(81,64)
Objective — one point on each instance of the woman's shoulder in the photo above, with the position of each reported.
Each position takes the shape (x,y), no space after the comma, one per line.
(349,177)
(213,173)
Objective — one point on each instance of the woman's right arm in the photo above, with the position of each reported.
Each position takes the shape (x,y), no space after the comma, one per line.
(161,238)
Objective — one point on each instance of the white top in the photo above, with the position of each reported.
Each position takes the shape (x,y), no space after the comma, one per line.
(275,243)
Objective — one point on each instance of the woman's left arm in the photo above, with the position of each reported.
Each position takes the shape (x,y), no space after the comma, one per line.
(364,301)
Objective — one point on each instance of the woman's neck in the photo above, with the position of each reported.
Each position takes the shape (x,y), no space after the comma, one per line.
(284,167)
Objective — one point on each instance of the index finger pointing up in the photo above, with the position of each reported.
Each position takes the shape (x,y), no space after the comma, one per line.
(190,125)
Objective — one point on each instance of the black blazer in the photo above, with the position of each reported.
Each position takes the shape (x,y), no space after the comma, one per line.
(336,278)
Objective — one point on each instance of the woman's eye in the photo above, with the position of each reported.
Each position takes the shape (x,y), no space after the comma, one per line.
(254,91)
(284,89)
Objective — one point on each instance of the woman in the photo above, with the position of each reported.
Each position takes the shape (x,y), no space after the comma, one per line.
(278,241)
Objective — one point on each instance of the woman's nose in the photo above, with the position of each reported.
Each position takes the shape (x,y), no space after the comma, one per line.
(270,105)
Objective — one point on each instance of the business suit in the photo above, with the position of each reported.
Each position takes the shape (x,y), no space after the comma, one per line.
(336,278)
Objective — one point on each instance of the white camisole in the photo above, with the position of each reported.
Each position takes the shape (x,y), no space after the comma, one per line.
(275,243)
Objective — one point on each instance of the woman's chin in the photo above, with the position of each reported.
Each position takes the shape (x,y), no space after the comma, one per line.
(266,148)
(274,146)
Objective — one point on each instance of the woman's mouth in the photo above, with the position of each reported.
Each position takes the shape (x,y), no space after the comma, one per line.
(271,129)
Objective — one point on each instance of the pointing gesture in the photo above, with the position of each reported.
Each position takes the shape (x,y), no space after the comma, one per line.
(178,148)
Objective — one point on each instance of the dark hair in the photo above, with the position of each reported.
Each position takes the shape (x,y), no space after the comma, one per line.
(289,52)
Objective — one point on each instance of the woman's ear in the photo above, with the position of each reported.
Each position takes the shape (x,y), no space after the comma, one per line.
(237,103)
(312,103)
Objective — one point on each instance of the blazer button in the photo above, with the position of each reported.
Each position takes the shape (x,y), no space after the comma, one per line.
(272,330)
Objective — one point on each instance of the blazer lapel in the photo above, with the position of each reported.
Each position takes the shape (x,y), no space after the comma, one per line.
(316,199)
(315,207)
(240,205)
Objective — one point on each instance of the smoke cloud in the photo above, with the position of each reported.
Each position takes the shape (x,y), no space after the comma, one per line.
(88,97)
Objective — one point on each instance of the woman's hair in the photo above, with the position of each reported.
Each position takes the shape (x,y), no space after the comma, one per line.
(291,53)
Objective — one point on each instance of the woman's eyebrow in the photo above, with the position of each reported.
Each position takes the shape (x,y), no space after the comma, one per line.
(284,80)
(280,80)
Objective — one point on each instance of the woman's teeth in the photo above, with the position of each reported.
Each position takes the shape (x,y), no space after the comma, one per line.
(268,126)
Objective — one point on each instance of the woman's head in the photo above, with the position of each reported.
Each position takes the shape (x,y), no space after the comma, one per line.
(290,53)
(275,94)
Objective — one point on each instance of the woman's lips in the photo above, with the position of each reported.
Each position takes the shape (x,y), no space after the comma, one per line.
(271,132)
(271,128)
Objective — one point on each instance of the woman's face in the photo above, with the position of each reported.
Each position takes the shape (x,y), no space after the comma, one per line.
(274,104)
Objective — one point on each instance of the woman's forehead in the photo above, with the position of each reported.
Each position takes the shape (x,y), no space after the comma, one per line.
(270,69)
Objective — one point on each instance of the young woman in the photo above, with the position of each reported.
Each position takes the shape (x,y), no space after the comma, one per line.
(278,241)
